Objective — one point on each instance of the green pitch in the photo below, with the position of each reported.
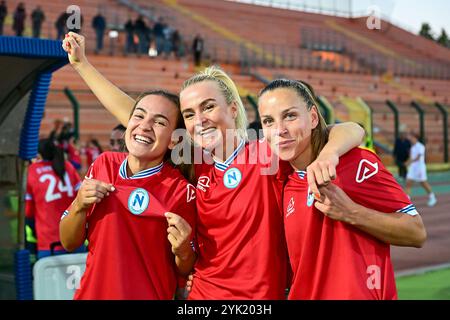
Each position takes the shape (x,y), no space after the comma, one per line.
(433,285)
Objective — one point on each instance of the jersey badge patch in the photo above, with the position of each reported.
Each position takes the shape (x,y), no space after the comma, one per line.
(232,178)
(138,201)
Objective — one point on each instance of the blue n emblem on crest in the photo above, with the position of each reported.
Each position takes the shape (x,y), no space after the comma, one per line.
(232,178)
(138,201)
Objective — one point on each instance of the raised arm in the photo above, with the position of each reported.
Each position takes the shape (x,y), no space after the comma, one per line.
(342,138)
(111,97)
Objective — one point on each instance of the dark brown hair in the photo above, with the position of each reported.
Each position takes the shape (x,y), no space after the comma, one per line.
(319,135)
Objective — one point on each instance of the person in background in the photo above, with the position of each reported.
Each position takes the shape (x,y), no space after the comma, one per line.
(197,49)
(129,30)
(93,150)
(140,28)
(177,44)
(417,169)
(99,25)
(37,18)
(60,25)
(158,31)
(52,185)
(401,153)
(117,140)
(3,14)
(19,19)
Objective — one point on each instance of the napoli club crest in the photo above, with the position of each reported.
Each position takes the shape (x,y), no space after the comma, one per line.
(138,201)
(232,178)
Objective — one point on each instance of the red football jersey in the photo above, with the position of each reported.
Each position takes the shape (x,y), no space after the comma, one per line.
(129,255)
(331,259)
(47,197)
(241,248)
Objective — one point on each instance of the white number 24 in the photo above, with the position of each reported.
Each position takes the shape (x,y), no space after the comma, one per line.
(53,191)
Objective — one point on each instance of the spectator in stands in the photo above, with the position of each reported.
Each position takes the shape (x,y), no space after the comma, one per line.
(3,14)
(401,153)
(19,19)
(51,187)
(116,141)
(417,170)
(140,28)
(60,25)
(158,32)
(99,25)
(37,18)
(129,31)
(168,48)
(197,49)
(177,44)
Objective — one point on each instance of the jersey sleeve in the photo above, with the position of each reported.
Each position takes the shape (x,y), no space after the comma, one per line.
(367,182)
(30,206)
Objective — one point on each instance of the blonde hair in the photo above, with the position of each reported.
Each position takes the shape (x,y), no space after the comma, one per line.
(229,91)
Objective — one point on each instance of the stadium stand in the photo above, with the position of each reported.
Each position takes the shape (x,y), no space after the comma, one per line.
(340,57)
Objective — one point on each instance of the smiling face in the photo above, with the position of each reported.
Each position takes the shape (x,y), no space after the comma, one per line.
(206,114)
(287,124)
(150,127)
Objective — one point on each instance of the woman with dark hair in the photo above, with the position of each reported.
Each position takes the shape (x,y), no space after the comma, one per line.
(126,208)
(338,240)
(51,187)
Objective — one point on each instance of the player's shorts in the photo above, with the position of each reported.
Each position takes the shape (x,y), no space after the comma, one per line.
(417,173)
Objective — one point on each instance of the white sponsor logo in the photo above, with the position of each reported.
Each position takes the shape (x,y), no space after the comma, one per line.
(366,169)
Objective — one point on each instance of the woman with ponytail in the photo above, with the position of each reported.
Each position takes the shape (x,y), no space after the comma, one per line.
(52,185)
(338,240)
